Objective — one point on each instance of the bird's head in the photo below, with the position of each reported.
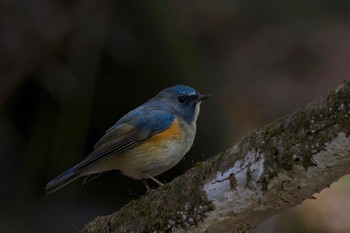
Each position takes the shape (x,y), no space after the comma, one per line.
(184,100)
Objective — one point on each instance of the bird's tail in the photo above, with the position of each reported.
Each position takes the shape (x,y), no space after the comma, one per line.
(62,180)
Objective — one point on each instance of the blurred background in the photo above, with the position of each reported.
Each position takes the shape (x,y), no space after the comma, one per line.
(70,69)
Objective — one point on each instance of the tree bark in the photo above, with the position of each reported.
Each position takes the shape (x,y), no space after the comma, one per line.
(271,169)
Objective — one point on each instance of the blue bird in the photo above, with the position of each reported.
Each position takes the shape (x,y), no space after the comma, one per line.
(145,142)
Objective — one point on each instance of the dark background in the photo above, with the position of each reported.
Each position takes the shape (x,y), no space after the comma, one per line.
(70,69)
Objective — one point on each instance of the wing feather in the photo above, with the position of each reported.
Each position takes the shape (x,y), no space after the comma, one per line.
(125,135)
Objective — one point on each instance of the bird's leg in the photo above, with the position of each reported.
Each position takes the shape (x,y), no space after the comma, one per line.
(154,179)
(144,181)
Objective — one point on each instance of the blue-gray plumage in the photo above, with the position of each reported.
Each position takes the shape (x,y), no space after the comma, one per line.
(145,142)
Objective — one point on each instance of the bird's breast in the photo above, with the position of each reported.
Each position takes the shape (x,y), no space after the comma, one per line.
(158,153)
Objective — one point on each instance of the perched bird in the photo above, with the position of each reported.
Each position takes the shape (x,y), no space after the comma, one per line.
(145,142)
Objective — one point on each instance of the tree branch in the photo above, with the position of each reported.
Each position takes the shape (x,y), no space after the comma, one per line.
(272,169)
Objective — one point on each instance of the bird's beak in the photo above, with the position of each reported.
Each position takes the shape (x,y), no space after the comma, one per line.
(202,97)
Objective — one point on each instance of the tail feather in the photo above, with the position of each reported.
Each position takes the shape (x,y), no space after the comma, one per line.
(61,181)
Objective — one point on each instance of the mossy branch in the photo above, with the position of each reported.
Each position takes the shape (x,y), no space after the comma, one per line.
(272,169)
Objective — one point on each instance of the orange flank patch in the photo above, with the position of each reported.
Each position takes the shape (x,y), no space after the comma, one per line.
(173,132)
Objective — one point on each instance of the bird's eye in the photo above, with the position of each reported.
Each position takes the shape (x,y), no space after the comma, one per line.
(181,99)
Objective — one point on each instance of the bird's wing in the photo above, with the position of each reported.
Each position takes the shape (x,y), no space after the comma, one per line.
(129,131)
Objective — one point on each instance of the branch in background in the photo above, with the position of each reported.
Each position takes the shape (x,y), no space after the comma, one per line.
(272,169)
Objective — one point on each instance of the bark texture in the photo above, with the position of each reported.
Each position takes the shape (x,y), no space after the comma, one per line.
(271,169)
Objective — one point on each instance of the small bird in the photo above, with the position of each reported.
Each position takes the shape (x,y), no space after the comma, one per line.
(145,142)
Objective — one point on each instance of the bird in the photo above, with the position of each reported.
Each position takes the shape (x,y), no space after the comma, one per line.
(145,142)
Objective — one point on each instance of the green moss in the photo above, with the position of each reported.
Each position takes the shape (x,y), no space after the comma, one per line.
(179,204)
(303,133)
